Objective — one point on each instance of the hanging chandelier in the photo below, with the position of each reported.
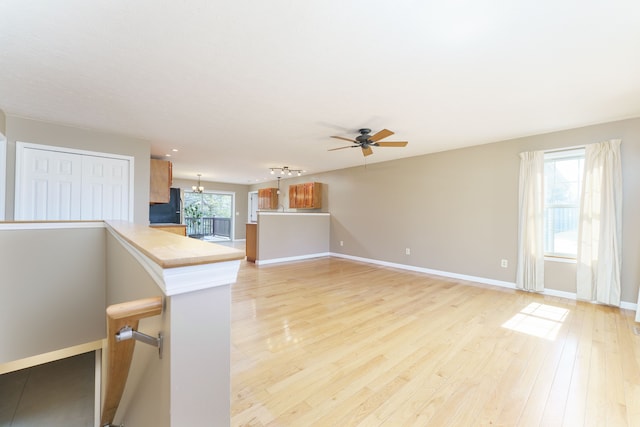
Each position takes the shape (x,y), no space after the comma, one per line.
(286,171)
(198,188)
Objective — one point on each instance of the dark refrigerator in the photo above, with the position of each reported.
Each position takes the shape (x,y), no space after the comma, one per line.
(166,213)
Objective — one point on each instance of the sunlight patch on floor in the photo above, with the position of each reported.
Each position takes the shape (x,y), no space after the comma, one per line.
(539,320)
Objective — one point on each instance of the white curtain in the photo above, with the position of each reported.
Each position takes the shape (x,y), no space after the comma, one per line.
(530,272)
(600,227)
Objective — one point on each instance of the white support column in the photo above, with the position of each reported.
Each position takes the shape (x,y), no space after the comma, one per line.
(200,357)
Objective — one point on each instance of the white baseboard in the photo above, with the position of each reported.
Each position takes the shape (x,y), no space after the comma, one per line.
(429,271)
(552,292)
(510,285)
(292,258)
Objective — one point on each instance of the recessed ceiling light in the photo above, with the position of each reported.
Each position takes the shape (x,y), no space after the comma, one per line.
(167,155)
(175,150)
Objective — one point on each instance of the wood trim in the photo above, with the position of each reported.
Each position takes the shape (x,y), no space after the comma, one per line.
(119,354)
(51,356)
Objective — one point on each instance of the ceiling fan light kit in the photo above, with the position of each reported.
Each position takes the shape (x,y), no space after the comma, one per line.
(365,141)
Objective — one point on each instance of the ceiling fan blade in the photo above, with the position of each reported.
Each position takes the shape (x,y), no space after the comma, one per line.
(343,138)
(367,151)
(340,148)
(382,134)
(392,144)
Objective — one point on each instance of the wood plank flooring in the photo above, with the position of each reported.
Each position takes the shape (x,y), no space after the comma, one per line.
(333,342)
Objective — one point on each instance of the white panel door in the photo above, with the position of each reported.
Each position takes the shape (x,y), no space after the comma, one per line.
(105,188)
(50,185)
(55,183)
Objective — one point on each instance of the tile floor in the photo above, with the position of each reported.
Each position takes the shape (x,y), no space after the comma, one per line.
(56,394)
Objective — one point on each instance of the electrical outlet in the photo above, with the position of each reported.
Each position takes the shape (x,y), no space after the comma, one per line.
(504,263)
(341,243)
(407,251)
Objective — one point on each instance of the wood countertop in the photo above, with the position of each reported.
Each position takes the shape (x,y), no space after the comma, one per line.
(170,250)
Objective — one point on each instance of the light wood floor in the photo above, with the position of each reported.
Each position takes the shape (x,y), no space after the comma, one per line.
(332,342)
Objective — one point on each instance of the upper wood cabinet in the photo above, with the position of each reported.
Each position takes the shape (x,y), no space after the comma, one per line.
(268,198)
(161,179)
(305,196)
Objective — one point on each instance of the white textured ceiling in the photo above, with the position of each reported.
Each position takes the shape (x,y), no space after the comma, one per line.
(241,86)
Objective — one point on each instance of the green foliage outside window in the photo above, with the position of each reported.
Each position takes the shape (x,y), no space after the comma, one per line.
(207,205)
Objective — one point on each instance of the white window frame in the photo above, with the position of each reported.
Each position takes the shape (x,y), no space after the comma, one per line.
(568,153)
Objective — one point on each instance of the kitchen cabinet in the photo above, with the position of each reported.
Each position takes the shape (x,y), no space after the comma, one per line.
(268,198)
(251,242)
(305,196)
(295,197)
(161,179)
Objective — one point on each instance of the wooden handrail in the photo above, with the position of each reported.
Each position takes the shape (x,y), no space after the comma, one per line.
(121,353)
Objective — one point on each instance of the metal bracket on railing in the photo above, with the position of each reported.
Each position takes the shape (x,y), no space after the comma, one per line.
(127,333)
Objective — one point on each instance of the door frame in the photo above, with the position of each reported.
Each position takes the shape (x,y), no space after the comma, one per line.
(21,146)
(251,203)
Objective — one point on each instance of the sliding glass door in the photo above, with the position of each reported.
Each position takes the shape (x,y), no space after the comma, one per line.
(209,215)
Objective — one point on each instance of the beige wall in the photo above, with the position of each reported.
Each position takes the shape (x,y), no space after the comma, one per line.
(36,132)
(146,398)
(3,123)
(458,210)
(290,235)
(52,290)
(200,358)
(2,164)
(241,199)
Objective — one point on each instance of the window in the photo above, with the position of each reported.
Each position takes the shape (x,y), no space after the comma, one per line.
(562,189)
(209,216)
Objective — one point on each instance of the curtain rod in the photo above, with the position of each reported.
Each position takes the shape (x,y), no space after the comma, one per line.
(556,150)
